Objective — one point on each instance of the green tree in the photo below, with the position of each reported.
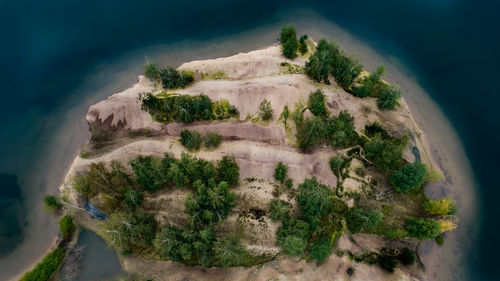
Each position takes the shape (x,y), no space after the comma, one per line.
(288,38)
(52,203)
(279,209)
(191,139)
(358,219)
(423,228)
(210,204)
(340,130)
(409,177)
(66,227)
(228,251)
(303,44)
(320,64)
(212,140)
(317,103)
(293,246)
(227,170)
(133,198)
(320,250)
(280,172)
(172,79)
(310,132)
(313,201)
(124,230)
(443,207)
(148,172)
(44,270)
(285,114)
(152,71)
(387,262)
(388,97)
(386,153)
(265,110)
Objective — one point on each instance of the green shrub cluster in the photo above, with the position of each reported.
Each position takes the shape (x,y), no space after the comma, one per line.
(317,103)
(330,59)
(265,110)
(387,95)
(192,139)
(44,270)
(185,108)
(66,227)
(386,152)
(358,219)
(127,230)
(423,228)
(288,38)
(337,130)
(303,44)
(169,77)
(279,210)
(280,172)
(52,203)
(409,177)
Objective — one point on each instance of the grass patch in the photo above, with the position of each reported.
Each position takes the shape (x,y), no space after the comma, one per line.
(44,270)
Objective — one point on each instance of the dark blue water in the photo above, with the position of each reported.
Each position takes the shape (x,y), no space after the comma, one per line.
(48,48)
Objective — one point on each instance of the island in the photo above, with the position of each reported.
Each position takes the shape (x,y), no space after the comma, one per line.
(290,162)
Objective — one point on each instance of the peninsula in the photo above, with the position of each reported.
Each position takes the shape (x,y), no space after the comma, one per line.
(286,163)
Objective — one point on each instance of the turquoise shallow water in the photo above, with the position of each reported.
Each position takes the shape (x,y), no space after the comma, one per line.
(49,50)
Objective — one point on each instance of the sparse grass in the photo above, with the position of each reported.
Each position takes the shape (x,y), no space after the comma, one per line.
(287,68)
(214,75)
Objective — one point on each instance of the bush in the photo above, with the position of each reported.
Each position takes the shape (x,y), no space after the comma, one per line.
(124,230)
(293,246)
(439,240)
(407,257)
(227,170)
(152,71)
(212,140)
(210,204)
(371,85)
(288,38)
(149,173)
(265,110)
(172,79)
(320,250)
(423,228)
(191,139)
(289,183)
(133,198)
(408,177)
(313,201)
(302,44)
(280,172)
(340,130)
(443,207)
(317,103)
(52,203)
(358,219)
(66,227)
(386,153)
(228,251)
(44,270)
(279,209)
(388,263)
(328,58)
(388,97)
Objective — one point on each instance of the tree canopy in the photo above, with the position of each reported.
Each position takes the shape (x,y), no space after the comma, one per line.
(288,38)
(317,103)
(280,172)
(409,177)
(423,228)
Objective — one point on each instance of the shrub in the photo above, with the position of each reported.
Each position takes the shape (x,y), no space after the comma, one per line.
(370,85)
(172,79)
(288,38)
(124,230)
(289,183)
(44,270)
(149,173)
(210,204)
(439,240)
(265,110)
(191,139)
(302,44)
(317,103)
(52,203)
(66,227)
(340,130)
(212,140)
(407,257)
(313,201)
(227,170)
(386,153)
(152,71)
(408,177)
(320,250)
(293,246)
(388,263)
(357,219)
(133,198)
(443,207)
(228,251)
(280,172)
(388,97)
(279,209)
(423,228)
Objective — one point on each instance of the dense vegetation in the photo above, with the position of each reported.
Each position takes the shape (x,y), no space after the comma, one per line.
(44,270)
(186,109)
(66,227)
(265,110)
(280,172)
(409,177)
(317,103)
(288,38)
(169,77)
(191,139)
(52,203)
(330,59)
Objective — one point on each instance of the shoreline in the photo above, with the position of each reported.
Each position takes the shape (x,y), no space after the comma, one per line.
(267,29)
